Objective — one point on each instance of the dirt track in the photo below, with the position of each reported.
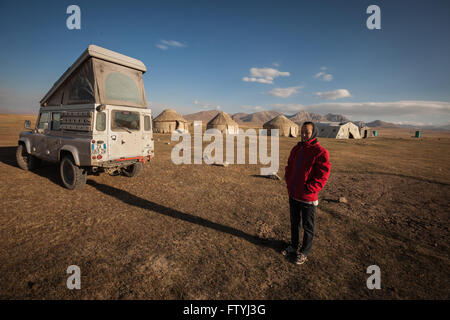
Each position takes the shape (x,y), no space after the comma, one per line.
(209,232)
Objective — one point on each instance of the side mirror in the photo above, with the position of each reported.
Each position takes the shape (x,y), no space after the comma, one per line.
(27,124)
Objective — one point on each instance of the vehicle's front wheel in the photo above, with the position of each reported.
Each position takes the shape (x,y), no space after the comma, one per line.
(25,160)
(72,176)
(133,170)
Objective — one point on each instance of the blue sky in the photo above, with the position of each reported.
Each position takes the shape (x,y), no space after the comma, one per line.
(245,56)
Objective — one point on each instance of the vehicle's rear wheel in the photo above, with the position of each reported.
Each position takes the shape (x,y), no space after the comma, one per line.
(25,160)
(72,176)
(133,170)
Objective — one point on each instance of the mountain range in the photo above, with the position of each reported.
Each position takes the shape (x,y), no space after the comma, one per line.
(264,116)
(300,117)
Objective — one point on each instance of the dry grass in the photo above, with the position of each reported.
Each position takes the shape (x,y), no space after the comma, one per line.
(210,232)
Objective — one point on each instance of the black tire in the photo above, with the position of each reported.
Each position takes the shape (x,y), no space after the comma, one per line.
(25,160)
(72,176)
(133,170)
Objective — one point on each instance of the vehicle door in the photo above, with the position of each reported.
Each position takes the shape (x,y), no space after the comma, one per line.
(124,134)
(147,134)
(39,141)
(100,137)
(54,137)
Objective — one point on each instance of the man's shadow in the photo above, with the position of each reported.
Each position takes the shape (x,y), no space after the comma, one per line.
(133,200)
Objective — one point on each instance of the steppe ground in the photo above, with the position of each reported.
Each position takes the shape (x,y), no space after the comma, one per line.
(212,232)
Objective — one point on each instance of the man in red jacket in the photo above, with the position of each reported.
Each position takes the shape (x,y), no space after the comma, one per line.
(307,172)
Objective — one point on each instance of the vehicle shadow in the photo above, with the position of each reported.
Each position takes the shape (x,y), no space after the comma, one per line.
(8,156)
(46,170)
(133,200)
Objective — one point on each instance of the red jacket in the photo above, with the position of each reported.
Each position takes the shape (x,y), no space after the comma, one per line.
(307,171)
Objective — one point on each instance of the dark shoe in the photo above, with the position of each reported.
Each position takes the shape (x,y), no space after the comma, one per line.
(301,259)
(289,250)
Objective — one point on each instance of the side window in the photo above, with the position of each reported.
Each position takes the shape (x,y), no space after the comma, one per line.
(56,121)
(147,123)
(100,122)
(44,120)
(81,90)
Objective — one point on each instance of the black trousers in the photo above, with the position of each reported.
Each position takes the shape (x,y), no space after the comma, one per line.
(302,213)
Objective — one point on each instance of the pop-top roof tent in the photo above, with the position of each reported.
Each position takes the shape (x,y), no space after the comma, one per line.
(338,130)
(100,76)
(286,127)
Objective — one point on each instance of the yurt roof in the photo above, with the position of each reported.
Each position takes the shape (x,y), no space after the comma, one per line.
(169,115)
(222,118)
(280,121)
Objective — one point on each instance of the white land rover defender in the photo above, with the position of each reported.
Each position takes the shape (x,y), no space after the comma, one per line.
(94,119)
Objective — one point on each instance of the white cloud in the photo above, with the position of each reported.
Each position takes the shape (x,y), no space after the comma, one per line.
(276,64)
(264,75)
(173,43)
(284,92)
(333,95)
(253,108)
(376,110)
(288,108)
(323,75)
(261,80)
(268,73)
(165,44)
(162,46)
(411,123)
(319,74)
(195,101)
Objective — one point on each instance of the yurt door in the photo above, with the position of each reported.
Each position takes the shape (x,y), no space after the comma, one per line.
(293,132)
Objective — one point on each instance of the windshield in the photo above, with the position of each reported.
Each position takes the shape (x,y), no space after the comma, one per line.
(125,120)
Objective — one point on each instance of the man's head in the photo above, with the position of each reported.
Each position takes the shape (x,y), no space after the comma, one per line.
(307,131)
